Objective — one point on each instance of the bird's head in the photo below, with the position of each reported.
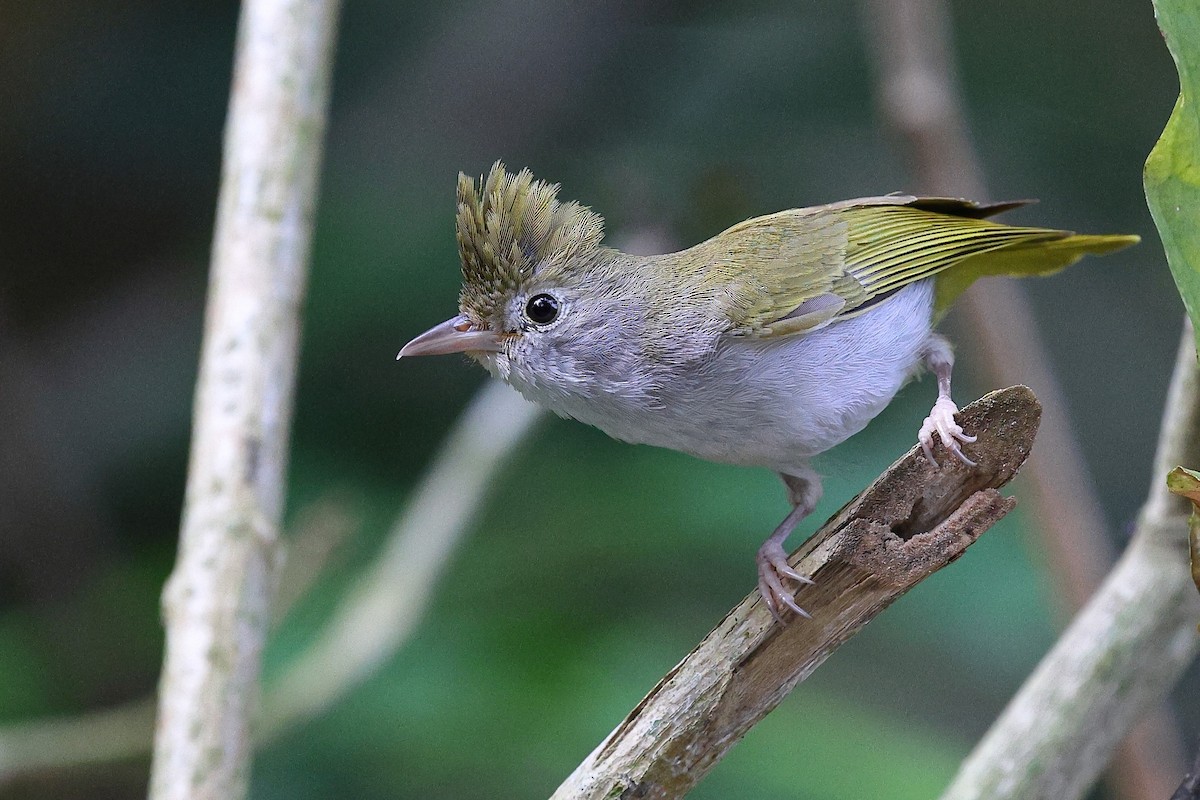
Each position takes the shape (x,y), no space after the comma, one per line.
(543,302)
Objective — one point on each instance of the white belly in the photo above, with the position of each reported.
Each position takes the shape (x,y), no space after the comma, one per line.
(778,402)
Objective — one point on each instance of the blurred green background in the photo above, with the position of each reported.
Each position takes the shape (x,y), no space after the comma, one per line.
(595,565)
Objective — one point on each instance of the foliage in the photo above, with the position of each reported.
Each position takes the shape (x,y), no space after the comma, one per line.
(1172,179)
(1172,175)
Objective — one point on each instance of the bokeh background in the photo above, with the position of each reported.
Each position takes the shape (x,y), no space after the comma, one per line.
(594,565)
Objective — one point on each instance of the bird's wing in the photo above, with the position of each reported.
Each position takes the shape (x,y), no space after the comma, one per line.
(805,268)
(890,246)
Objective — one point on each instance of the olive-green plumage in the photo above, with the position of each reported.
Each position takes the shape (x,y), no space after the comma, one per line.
(784,273)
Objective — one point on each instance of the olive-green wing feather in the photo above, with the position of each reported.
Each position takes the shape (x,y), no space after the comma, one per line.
(787,265)
(805,268)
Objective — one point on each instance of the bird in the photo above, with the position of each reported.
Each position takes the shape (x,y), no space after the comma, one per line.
(765,345)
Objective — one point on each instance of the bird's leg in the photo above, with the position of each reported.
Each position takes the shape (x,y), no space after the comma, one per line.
(804,490)
(940,360)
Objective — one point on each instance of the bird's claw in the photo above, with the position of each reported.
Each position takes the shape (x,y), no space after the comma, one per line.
(941,421)
(772,569)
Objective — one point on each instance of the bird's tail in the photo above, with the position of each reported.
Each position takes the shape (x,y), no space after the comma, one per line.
(1024,258)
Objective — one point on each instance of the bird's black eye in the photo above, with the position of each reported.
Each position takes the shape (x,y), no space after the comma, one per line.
(542,309)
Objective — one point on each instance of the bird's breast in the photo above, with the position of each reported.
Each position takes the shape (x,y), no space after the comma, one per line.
(764,402)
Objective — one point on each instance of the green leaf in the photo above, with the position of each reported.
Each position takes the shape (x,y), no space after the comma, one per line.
(1172,174)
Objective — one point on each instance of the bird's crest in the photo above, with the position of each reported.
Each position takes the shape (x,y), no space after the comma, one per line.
(510,226)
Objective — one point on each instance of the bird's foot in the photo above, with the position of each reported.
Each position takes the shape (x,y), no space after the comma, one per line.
(773,570)
(941,421)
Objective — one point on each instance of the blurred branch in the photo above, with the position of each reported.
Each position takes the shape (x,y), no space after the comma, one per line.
(919,99)
(368,626)
(1121,654)
(911,521)
(217,603)
(916,90)
(98,737)
(386,602)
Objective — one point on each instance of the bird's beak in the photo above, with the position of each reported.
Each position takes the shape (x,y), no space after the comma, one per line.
(456,335)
